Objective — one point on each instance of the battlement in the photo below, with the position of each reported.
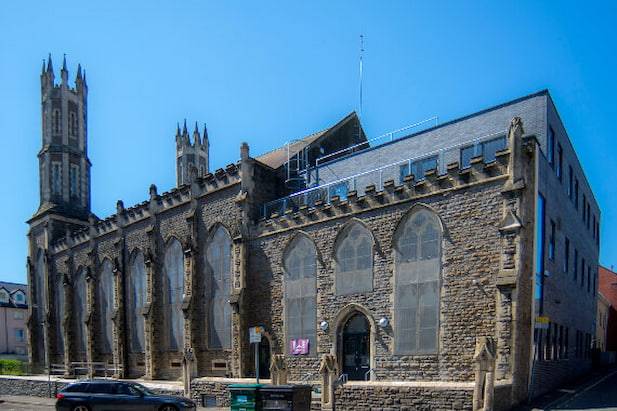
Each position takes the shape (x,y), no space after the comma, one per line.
(158,203)
(48,82)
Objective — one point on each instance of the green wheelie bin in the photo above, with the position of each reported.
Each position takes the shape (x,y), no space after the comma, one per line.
(245,397)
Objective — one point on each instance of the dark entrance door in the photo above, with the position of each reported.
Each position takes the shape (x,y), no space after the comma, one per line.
(264,358)
(356,350)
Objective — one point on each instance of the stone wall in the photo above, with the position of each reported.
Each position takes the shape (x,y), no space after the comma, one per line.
(217,391)
(467,311)
(403,398)
(40,387)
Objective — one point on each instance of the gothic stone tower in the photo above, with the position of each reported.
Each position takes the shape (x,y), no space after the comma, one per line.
(192,158)
(64,172)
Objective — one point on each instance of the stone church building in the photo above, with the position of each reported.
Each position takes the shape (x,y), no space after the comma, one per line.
(450,266)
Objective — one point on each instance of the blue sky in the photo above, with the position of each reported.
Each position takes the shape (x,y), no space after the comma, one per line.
(265,72)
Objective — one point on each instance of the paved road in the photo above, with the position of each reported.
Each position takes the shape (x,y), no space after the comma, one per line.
(24,403)
(600,395)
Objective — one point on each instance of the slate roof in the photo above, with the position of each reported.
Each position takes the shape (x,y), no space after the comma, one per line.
(277,157)
(12,288)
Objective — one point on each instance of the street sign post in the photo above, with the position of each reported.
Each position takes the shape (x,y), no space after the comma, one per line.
(255,338)
(542,322)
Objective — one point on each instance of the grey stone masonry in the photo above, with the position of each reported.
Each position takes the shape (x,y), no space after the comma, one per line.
(414,292)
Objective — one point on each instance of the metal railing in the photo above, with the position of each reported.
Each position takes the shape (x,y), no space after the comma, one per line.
(377,176)
(367,375)
(389,136)
(342,379)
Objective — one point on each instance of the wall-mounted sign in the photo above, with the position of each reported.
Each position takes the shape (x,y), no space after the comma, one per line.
(299,346)
(255,334)
(542,322)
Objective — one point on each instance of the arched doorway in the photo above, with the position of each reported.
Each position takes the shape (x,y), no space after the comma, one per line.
(356,353)
(264,359)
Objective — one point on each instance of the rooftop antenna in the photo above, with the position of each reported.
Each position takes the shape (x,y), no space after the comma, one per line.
(361,53)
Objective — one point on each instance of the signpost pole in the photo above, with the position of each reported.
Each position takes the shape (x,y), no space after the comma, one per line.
(257,361)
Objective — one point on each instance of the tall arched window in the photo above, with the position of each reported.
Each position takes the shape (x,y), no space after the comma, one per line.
(55,121)
(354,260)
(301,292)
(41,296)
(174,289)
(79,310)
(106,301)
(73,124)
(59,297)
(136,299)
(417,281)
(218,260)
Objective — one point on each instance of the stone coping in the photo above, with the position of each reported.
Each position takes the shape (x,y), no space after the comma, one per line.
(160,384)
(225,380)
(446,385)
(178,385)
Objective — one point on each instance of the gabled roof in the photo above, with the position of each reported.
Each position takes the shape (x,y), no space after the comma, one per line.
(277,157)
(12,289)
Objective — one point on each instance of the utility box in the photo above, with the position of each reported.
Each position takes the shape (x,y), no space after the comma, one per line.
(245,397)
(286,397)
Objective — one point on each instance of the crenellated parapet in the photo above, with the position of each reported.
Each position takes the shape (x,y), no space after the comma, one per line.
(203,186)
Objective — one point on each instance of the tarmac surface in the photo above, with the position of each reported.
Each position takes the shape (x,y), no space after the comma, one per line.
(23,403)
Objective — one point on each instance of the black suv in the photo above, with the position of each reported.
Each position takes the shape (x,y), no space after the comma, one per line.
(111,395)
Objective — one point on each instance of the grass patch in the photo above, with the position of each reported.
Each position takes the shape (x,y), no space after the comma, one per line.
(11,367)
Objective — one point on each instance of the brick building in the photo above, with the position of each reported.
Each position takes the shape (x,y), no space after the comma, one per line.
(608,289)
(409,268)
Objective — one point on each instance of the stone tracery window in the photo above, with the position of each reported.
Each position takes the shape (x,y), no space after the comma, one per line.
(174,290)
(354,260)
(59,297)
(218,260)
(136,299)
(79,310)
(417,281)
(106,305)
(40,294)
(301,291)
(55,121)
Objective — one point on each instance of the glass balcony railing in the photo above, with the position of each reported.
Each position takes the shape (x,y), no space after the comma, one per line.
(486,147)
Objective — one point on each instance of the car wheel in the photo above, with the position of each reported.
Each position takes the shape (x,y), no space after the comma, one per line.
(168,407)
(80,407)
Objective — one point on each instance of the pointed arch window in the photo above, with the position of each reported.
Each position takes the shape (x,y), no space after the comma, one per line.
(41,295)
(417,282)
(174,289)
(41,298)
(218,260)
(300,261)
(136,300)
(79,310)
(55,121)
(59,297)
(354,260)
(106,305)
(73,124)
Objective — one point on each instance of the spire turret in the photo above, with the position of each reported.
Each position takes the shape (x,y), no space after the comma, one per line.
(50,67)
(64,73)
(196,136)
